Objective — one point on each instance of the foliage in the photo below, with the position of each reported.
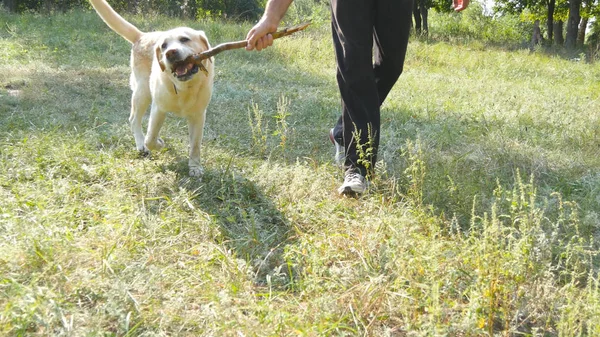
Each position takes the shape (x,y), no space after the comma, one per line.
(589,8)
(472,24)
(441,6)
(518,6)
(316,11)
(232,9)
(47,5)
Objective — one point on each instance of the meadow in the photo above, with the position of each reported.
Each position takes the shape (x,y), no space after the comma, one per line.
(483,218)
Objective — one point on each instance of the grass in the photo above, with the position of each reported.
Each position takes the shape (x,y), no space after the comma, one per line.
(482,220)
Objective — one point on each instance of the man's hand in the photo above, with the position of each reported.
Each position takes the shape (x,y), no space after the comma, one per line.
(259,36)
(460,5)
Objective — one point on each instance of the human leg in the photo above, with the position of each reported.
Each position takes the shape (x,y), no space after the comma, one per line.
(352,26)
(387,23)
(391,33)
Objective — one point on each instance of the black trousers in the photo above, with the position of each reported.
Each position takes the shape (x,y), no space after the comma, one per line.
(366,76)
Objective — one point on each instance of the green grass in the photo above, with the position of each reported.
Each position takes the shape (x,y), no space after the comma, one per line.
(482,220)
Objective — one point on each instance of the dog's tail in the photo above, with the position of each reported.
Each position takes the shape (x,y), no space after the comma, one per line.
(115,21)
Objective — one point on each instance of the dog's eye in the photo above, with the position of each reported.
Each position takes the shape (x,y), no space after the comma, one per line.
(184,40)
(163,46)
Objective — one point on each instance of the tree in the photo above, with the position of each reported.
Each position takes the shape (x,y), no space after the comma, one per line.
(534,10)
(561,13)
(555,12)
(536,37)
(550,19)
(573,23)
(587,11)
(594,40)
(559,39)
(581,30)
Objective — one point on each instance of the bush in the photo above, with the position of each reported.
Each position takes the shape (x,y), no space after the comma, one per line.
(473,24)
(190,9)
(45,5)
(234,9)
(316,11)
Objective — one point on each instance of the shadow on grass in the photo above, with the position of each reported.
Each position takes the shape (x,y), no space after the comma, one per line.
(249,222)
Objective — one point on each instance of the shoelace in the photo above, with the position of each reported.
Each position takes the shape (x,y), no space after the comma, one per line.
(351,177)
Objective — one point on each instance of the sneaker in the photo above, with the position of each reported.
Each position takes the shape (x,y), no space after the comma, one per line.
(354,183)
(339,149)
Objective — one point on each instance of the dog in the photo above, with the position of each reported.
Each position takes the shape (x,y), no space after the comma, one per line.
(163,80)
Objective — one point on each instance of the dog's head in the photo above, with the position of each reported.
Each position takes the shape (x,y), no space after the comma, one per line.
(173,48)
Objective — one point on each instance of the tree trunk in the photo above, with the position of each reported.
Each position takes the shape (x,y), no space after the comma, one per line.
(536,37)
(581,34)
(550,20)
(573,23)
(558,33)
(11,5)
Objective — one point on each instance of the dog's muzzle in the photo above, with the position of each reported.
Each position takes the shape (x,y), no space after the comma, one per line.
(184,70)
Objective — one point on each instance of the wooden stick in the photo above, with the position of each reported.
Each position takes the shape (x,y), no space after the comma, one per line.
(198,58)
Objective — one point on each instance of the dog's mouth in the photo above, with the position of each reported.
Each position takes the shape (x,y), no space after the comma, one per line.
(184,70)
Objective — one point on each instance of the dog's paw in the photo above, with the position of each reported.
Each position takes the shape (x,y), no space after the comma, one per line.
(196,171)
(144,153)
(155,145)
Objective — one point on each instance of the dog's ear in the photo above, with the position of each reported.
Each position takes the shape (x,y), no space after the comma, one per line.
(203,40)
(159,58)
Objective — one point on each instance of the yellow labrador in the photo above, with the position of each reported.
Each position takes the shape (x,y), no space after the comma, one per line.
(161,77)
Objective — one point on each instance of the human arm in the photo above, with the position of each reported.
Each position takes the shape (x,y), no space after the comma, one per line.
(258,37)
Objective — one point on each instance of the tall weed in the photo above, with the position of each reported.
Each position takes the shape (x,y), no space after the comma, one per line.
(258,130)
(520,251)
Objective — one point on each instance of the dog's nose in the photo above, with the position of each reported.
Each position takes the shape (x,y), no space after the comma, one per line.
(172,55)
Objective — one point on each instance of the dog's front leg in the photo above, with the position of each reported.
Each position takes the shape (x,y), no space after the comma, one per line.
(196,132)
(157,119)
(140,100)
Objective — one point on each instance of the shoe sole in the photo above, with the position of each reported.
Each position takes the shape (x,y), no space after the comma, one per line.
(348,190)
